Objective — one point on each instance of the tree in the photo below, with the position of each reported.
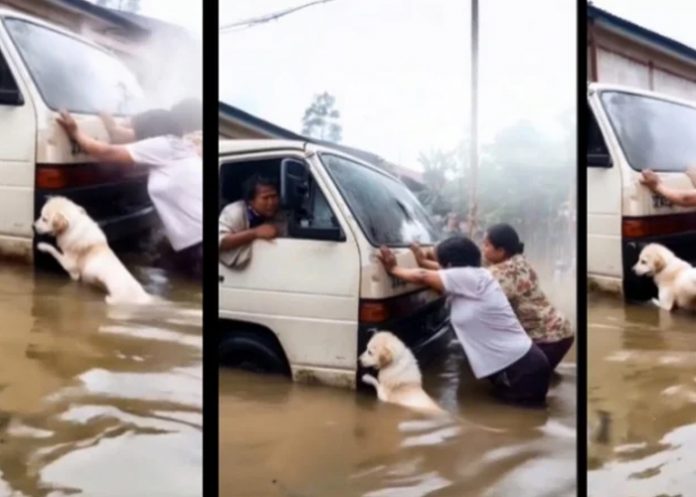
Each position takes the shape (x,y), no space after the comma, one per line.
(125,5)
(321,119)
(438,167)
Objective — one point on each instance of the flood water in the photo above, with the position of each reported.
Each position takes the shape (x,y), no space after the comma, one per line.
(641,400)
(280,439)
(98,401)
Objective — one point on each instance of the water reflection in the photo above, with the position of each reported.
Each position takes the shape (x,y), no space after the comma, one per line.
(102,401)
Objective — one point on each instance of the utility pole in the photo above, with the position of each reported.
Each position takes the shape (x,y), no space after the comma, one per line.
(473,146)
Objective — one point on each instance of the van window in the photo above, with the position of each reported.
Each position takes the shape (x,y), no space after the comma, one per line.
(7,81)
(387,211)
(595,140)
(74,75)
(315,212)
(654,133)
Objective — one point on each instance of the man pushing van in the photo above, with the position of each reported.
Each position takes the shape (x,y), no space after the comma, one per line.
(256,216)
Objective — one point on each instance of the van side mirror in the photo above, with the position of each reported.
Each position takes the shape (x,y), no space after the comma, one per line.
(294,183)
(599,160)
(11,97)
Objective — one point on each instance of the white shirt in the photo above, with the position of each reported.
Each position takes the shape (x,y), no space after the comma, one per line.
(483,320)
(175,185)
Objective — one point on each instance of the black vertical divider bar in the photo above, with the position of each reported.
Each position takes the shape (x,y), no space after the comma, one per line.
(582,335)
(210,249)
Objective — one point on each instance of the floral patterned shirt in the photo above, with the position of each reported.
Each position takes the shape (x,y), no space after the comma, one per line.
(542,321)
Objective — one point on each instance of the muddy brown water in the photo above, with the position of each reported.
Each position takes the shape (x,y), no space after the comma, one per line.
(278,439)
(98,401)
(641,400)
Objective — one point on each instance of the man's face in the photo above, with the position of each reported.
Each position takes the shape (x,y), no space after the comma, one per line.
(266,201)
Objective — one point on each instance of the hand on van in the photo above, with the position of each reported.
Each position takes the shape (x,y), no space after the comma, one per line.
(425,277)
(118,133)
(98,150)
(424,257)
(680,197)
(649,179)
(266,231)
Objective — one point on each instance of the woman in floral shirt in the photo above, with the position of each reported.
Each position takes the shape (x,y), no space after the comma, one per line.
(546,326)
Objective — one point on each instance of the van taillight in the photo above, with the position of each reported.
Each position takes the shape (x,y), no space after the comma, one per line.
(51,178)
(651,226)
(373,312)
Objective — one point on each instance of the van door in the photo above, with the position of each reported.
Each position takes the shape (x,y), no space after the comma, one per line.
(302,287)
(604,261)
(17,153)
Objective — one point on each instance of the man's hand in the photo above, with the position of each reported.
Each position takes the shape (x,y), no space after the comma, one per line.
(418,252)
(649,179)
(691,173)
(387,258)
(266,232)
(108,120)
(68,123)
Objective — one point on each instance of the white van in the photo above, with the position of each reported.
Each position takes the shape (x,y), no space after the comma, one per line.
(306,305)
(631,130)
(44,69)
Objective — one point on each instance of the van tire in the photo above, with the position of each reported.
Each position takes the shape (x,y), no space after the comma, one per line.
(252,351)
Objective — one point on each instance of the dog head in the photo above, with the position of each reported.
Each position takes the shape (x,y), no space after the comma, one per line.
(652,259)
(382,350)
(57,216)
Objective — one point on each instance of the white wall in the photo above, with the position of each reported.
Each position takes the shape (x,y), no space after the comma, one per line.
(614,68)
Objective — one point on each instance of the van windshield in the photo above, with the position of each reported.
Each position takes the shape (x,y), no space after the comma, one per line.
(654,134)
(387,211)
(74,75)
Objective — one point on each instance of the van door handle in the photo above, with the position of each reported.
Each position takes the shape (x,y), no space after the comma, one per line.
(221,278)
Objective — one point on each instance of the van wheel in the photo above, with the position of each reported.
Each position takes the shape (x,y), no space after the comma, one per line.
(251,352)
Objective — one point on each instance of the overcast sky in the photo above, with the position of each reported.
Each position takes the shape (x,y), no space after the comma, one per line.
(188,14)
(399,69)
(673,18)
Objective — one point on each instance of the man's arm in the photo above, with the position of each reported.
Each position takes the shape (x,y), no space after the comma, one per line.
(231,241)
(683,198)
(234,240)
(99,150)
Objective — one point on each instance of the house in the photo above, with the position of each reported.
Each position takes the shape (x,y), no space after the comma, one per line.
(234,123)
(622,52)
(143,43)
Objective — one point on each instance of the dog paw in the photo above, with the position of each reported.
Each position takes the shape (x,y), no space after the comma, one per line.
(44,247)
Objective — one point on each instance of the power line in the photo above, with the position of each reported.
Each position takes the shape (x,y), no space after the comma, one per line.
(254,21)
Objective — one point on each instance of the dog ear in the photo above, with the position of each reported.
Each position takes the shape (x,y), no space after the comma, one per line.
(59,223)
(384,357)
(659,262)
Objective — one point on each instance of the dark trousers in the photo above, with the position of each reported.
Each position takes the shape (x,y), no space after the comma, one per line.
(556,351)
(524,382)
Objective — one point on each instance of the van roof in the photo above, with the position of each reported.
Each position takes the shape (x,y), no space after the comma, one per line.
(227,146)
(638,91)
(9,12)
(240,146)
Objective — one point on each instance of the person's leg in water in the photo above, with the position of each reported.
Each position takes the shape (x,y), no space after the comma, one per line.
(524,382)
(556,351)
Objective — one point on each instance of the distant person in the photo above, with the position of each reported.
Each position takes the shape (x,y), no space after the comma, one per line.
(175,176)
(255,217)
(547,327)
(680,197)
(452,225)
(496,345)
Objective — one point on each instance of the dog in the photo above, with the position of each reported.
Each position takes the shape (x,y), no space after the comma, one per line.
(674,277)
(399,376)
(84,252)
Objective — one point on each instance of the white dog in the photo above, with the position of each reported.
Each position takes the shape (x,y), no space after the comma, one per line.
(84,252)
(675,278)
(399,376)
